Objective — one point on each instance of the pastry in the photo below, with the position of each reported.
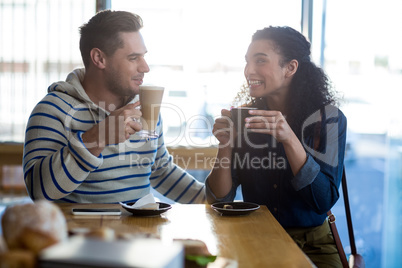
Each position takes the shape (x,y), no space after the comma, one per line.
(33,226)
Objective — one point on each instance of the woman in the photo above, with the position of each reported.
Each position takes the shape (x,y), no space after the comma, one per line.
(291,157)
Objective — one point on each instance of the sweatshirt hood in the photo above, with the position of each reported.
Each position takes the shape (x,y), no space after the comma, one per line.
(73,87)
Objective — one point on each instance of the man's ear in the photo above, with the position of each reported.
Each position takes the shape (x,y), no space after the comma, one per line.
(98,58)
(292,68)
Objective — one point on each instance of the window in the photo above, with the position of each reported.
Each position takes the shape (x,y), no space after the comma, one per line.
(38,46)
(362,56)
(196,51)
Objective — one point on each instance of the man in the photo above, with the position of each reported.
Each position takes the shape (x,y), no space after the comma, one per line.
(81,143)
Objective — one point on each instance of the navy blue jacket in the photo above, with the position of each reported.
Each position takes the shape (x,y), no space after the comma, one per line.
(261,168)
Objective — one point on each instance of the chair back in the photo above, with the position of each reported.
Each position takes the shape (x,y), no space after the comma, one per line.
(355,260)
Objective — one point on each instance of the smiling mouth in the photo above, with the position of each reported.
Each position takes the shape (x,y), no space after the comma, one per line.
(138,77)
(254,82)
(138,80)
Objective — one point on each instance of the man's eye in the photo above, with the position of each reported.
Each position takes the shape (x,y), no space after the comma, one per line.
(135,58)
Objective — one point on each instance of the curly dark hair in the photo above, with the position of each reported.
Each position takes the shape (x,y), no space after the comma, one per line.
(103,31)
(310,88)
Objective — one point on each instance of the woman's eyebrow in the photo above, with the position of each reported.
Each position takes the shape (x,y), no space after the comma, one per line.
(260,54)
(257,55)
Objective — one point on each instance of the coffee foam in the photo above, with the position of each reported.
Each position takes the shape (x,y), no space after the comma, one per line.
(152,88)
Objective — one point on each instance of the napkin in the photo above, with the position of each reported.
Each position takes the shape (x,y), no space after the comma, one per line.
(146,202)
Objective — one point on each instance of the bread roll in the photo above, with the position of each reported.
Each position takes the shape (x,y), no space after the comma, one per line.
(18,259)
(193,249)
(102,233)
(33,226)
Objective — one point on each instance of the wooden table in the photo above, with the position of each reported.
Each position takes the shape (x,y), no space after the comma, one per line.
(254,240)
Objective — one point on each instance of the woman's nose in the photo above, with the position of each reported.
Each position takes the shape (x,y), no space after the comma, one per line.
(248,70)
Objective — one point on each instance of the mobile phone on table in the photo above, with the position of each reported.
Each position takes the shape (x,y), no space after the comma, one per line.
(96,211)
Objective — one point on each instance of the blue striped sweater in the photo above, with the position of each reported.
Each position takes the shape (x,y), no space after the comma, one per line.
(57,165)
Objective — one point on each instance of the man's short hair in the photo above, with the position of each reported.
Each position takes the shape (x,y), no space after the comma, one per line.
(103,32)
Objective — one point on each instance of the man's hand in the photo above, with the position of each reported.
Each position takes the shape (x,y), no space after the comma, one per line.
(122,123)
(115,129)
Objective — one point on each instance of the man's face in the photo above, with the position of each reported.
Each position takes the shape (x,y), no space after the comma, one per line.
(125,69)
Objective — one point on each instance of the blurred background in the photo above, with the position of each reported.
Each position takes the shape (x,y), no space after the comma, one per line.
(196,50)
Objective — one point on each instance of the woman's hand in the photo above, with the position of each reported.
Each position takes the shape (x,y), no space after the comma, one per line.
(220,178)
(223,129)
(275,124)
(270,122)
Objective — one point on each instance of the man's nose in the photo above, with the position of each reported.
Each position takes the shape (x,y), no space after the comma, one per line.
(143,67)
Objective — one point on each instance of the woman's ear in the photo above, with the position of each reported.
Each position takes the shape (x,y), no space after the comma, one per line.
(292,68)
(98,58)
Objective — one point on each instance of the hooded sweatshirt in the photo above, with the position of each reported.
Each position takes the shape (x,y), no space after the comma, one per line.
(58,166)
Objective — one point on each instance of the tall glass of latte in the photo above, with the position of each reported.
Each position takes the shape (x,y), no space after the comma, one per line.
(151,99)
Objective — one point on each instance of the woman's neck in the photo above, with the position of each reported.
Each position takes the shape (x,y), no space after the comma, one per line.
(276,103)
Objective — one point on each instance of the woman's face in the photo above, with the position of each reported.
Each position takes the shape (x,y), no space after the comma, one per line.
(263,72)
